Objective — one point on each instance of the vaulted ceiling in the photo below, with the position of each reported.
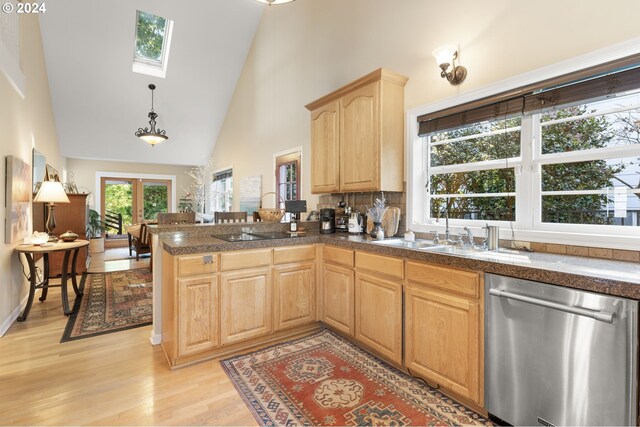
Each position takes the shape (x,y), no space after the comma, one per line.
(99,102)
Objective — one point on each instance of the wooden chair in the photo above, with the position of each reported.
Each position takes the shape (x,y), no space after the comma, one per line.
(176,218)
(141,243)
(220,217)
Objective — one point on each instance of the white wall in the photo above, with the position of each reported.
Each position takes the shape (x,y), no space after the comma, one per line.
(25,123)
(308,48)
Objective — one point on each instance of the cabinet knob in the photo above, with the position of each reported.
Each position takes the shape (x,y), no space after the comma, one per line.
(207,259)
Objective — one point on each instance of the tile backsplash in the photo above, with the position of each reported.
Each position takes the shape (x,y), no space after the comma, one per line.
(361,201)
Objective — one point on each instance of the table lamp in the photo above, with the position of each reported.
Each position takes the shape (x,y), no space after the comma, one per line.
(51,192)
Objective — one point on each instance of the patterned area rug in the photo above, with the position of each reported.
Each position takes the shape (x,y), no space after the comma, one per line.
(325,380)
(111,302)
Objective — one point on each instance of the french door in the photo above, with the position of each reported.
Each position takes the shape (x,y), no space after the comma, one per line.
(128,201)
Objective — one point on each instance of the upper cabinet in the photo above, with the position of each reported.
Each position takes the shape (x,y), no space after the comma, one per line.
(325,150)
(357,136)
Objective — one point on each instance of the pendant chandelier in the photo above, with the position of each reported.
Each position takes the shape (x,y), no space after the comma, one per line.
(152,135)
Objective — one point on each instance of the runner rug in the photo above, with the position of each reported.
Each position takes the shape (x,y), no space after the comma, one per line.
(111,302)
(325,380)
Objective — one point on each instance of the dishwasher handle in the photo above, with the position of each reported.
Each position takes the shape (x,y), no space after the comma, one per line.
(603,316)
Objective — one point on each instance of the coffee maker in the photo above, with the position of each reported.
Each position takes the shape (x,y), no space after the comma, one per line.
(327,221)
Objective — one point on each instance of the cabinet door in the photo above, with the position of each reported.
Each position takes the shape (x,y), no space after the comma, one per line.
(325,149)
(359,139)
(338,298)
(378,312)
(198,314)
(295,294)
(245,298)
(442,339)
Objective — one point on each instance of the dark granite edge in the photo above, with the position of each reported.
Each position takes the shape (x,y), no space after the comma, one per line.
(567,279)
(221,245)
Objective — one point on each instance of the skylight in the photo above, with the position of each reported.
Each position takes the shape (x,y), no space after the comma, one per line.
(153,39)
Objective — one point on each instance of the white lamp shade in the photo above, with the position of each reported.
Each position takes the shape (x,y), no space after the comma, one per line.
(270,2)
(51,192)
(153,138)
(444,54)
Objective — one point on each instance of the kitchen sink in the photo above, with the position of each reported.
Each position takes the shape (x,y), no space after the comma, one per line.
(455,250)
(501,254)
(401,243)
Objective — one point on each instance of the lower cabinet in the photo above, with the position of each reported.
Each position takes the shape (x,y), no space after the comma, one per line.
(378,315)
(338,295)
(198,314)
(245,304)
(444,333)
(294,288)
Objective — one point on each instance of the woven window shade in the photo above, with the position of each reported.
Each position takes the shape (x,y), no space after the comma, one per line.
(594,83)
(222,175)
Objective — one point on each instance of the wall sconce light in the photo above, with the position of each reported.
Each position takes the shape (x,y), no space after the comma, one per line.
(446,56)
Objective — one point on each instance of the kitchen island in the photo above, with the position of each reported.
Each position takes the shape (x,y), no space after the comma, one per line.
(236,293)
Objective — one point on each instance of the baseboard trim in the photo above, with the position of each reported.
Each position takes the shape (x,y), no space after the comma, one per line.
(4,327)
(155,339)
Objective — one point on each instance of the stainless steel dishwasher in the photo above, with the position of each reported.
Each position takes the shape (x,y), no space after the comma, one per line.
(559,356)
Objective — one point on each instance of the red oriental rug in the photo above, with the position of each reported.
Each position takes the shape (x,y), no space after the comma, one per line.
(111,302)
(325,380)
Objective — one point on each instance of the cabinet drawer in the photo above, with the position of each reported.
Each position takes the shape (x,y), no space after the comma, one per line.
(245,259)
(294,254)
(190,265)
(447,279)
(338,256)
(381,264)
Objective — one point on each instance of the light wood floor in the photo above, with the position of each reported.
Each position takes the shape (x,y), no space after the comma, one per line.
(113,379)
(116,259)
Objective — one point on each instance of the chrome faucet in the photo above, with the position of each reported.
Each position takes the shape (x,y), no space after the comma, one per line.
(447,233)
(470,236)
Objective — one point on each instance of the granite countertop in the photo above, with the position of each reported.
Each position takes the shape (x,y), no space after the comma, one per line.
(618,278)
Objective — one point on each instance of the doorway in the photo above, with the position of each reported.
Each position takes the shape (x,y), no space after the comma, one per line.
(127,201)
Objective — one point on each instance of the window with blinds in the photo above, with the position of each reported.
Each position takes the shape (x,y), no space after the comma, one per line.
(559,153)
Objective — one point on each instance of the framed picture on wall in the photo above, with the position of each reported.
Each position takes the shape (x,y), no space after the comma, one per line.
(17,199)
(52,174)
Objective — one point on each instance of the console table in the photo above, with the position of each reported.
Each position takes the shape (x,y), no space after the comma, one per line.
(66,247)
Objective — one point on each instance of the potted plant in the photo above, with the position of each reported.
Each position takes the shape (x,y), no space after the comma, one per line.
(95,232)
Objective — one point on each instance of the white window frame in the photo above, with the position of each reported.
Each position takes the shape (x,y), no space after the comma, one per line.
(527,227)
(147,66)
(212,192)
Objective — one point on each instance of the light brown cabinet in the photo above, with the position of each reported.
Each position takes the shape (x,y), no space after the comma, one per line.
(338,289)
(294,294)
(198,314)
(338,295)
(378,315)
(360,152)
(359,129)
(190,305)
(444,328)
(325,149)
(217,303)
(245,304)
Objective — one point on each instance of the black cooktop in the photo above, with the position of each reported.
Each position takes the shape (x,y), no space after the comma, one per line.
(275,235)
(239,237)
(243,237)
